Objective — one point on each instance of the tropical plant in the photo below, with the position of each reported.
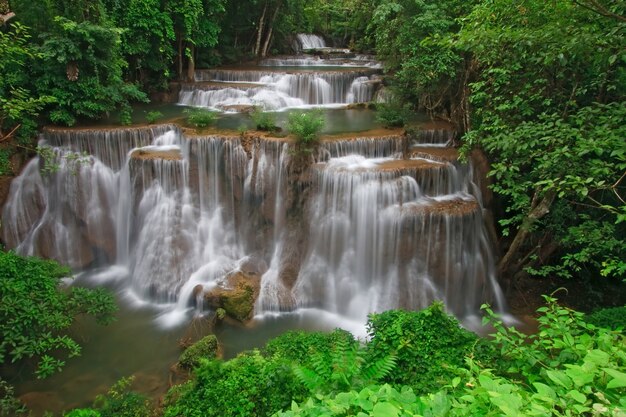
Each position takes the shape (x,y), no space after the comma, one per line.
(35,312)
(262,120)
(82,68)
(153,116)
(393,114)
(306,127)
(200,118)
(343,367)
(119,401)
(249,385)
(428,345)
(205,348)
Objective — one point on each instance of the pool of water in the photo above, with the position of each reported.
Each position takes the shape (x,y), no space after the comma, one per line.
(137,344)
(337,120)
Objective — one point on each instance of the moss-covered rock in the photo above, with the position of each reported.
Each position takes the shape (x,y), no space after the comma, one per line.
(203,348)
(236,295)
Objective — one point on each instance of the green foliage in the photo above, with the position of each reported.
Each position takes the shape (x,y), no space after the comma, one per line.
(119,401)
(249,385)
(609,318)
(19,105)
(300,346)
(153,116)
(428,345)
(200,118)
(579,160)
(35,312)
(9,405)
(82,68)
(306,127)
(374,401)
(569,368)
(392,114)
(343,367)
(205,348)
(146,41)
(408,37)
(264,120)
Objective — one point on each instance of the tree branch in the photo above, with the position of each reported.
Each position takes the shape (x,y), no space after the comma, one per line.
(596,7)
(540,207)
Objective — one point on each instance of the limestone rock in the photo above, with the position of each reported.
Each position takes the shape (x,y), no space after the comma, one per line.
(236,295)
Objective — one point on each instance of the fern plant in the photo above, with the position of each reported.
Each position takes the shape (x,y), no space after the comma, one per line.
(343,368)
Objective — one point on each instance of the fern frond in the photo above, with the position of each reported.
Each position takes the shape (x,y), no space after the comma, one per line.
(309,378)
(379,368)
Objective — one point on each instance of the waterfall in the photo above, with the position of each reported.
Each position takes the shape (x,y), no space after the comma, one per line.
(275,90)
(310,41)
(178,214)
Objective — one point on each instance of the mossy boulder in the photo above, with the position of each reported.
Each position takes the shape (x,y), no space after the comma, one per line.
(236,295)
(203,348)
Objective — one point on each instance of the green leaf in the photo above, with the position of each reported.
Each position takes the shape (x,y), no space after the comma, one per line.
(385,410)
(619,378)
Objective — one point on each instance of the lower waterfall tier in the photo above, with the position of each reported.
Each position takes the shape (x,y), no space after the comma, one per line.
(364,230)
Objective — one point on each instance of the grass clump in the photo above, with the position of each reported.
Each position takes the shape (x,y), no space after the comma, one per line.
(264,121)
(200,118)
(153,116)
(392,114)
(306,127)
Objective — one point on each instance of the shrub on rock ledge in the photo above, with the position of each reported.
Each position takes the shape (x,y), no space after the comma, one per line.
(204,348)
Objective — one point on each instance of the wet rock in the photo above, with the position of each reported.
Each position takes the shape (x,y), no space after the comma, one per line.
(236,295)
(39,402)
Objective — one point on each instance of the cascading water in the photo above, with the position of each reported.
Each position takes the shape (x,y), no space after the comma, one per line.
(276,90)
(336,80)
(183,213)
(310,41)
(377,222)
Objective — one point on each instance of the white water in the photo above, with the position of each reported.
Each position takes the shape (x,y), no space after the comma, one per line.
(310,41)
(278,90)
(369,238)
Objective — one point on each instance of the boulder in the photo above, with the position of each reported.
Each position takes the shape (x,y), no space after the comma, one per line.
(236,295)
(204,348)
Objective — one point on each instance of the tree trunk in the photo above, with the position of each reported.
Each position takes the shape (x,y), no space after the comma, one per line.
(269,33)
(191,65)
(180,57)
(540,206)
(259,34)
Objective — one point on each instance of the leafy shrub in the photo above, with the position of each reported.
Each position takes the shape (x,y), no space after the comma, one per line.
(34,311)
(119,401)
(249,385)
(306,127)
(568,368)
(609,318)
(428,345)
(200,118)
(377,401)
(392,114)
(300,346)
(153,116)
(9,405)
(344,367)
(264,120)
(203,348)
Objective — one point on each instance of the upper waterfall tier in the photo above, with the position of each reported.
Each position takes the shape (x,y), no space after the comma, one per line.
(279,89)
(310,41)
